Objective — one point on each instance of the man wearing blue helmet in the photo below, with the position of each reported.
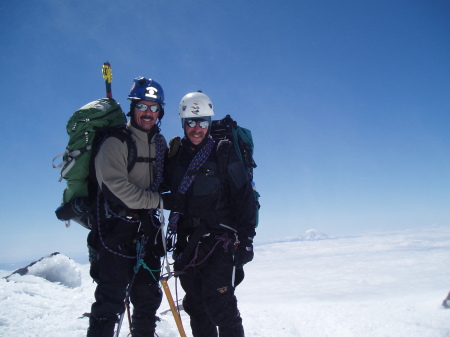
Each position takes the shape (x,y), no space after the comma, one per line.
(128,265)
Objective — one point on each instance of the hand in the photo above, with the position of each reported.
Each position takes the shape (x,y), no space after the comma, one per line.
(244,251)
(174,202)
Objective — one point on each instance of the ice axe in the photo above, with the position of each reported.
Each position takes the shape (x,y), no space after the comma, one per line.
(169,297)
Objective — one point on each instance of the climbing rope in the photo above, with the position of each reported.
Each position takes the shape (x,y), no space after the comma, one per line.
(225,242)
(140,259)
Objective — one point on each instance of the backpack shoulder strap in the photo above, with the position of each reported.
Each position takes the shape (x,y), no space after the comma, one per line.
(223,155)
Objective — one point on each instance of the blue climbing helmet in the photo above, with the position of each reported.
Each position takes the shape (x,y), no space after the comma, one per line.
(144,89)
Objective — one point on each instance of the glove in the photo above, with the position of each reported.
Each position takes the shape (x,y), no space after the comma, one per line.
(174,202)
(244,251)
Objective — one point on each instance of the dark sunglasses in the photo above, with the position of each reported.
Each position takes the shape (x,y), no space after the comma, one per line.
(200,122)
(143,107)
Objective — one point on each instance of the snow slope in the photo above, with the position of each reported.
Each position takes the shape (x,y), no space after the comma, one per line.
(375,284)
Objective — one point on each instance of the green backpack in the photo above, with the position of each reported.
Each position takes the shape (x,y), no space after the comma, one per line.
(94,118)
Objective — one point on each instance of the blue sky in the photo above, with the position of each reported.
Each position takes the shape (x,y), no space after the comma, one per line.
(348,103)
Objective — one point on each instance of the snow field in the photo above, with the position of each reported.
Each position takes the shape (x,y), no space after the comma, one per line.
(375,284)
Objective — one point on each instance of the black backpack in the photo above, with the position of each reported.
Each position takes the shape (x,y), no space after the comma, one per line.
(228,129)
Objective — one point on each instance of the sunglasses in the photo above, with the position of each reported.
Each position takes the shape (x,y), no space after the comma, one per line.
(143,107)
(200,122)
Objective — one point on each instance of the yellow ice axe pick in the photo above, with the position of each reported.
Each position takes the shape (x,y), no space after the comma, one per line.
(107,75)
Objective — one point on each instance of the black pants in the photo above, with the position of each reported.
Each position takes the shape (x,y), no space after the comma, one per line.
(210,300)
(115,272)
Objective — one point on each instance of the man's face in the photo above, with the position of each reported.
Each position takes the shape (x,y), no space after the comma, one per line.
(146,119)
(194,130)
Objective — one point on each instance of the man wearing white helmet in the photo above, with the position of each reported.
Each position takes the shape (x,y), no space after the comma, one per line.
(213,218)
(128,261)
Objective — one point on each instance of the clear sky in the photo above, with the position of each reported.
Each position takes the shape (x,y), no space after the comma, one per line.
(348,102)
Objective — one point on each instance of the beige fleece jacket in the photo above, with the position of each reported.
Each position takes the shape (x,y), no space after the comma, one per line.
(111,170)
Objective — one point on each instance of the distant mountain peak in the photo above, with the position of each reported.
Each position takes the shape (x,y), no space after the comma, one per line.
(312,235)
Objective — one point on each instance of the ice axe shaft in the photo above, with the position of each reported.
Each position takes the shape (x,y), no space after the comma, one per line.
(176,316)
(119,325)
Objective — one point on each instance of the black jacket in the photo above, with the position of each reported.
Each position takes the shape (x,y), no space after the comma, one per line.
(221,192)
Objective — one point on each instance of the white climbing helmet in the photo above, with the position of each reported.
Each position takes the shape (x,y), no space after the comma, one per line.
(194,105)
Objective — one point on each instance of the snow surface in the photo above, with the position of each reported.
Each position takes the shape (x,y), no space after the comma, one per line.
(375,284)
